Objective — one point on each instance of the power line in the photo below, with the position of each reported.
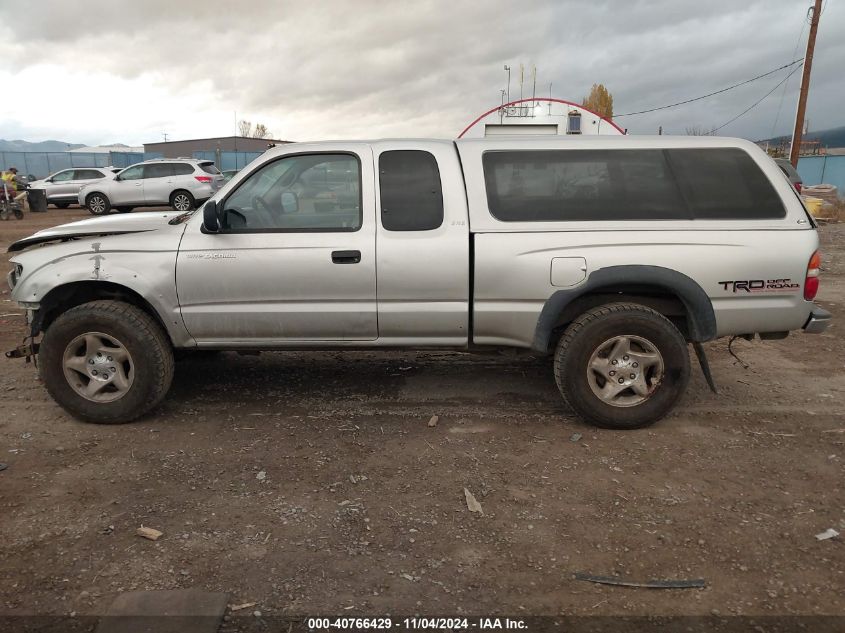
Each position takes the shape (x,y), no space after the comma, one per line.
(741,83)
(756,103)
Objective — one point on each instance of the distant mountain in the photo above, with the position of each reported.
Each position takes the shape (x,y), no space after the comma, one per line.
(834,137)
(41,146)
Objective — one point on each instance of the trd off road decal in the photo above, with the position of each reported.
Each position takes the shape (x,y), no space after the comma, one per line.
(760,285)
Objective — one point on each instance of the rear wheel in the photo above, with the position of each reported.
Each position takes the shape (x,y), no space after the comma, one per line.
(622,366)
(182,201)
(97,203)
(106,362)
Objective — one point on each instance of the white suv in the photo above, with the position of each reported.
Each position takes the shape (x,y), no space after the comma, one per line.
(179,182)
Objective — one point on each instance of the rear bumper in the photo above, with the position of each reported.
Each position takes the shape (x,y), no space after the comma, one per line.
(818,321)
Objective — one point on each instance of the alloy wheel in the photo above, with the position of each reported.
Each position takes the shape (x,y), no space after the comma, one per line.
(98,367)
(625,370)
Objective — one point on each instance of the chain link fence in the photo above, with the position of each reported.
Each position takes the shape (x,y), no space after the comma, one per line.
(42,164)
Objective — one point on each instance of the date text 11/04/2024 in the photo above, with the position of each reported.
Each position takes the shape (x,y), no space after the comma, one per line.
(415,623)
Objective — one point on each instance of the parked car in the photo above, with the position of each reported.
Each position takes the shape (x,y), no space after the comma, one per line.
(552,246)
(228,174)
(178,182)
(791,173)
(62,188)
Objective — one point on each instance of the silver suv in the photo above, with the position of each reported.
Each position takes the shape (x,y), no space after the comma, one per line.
(63,187)
(179,182)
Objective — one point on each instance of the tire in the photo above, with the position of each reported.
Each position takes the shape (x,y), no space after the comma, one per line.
(182,201)
(126,344)
(124,209)
(18,214)
(591,355)
(97,203)
(62,205)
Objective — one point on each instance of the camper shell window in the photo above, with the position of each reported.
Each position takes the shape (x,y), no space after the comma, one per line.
(620,185)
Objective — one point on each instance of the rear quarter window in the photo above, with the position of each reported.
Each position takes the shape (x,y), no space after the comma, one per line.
(182,169)
(410,190)
(209,168)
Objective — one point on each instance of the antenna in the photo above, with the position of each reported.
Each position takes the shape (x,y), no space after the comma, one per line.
(521,79)
(534,91)
(508,68)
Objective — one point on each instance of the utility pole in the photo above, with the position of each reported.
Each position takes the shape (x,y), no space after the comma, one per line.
(805,85)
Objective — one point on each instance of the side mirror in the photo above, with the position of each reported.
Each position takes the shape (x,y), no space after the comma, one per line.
(211,220)
(290,202)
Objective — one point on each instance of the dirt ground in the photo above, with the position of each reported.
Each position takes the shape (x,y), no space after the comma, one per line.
(312,483)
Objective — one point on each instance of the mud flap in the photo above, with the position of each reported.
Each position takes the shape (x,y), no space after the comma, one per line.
(705,366)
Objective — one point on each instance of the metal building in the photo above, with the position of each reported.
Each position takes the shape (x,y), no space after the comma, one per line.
(175,149)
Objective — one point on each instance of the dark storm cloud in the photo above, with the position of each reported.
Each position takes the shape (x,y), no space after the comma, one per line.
(360,68)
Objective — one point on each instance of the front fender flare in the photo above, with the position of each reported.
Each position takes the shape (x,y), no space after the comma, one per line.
(700,315)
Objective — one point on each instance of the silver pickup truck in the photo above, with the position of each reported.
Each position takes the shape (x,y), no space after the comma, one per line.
(611,254)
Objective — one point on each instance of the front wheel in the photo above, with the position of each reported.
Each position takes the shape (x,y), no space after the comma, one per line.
(106,362)
(622,366)
(98,204)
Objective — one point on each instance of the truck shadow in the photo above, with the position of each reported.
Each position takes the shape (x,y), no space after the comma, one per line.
(329,379)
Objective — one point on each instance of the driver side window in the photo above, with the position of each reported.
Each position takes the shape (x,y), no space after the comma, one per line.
(313,192)
(132,173)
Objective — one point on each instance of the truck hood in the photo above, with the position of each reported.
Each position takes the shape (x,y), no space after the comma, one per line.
(110,225)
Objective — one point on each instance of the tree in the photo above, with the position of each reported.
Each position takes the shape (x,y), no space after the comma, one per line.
(244,128)
(599,101)
(697,130)
(260,131)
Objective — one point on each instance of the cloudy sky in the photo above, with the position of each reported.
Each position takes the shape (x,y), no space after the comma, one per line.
(128,71)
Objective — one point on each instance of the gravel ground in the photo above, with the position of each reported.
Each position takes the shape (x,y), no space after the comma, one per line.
(313,483)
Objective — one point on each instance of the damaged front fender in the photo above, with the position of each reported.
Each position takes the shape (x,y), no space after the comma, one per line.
(117,264)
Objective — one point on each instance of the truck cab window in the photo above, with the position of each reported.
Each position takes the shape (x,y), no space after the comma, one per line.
(410,189)
(315,192)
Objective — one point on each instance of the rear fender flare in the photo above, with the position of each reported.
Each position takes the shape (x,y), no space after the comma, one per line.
(701,318)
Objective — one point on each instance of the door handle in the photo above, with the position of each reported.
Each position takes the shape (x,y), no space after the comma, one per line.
(346,257)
